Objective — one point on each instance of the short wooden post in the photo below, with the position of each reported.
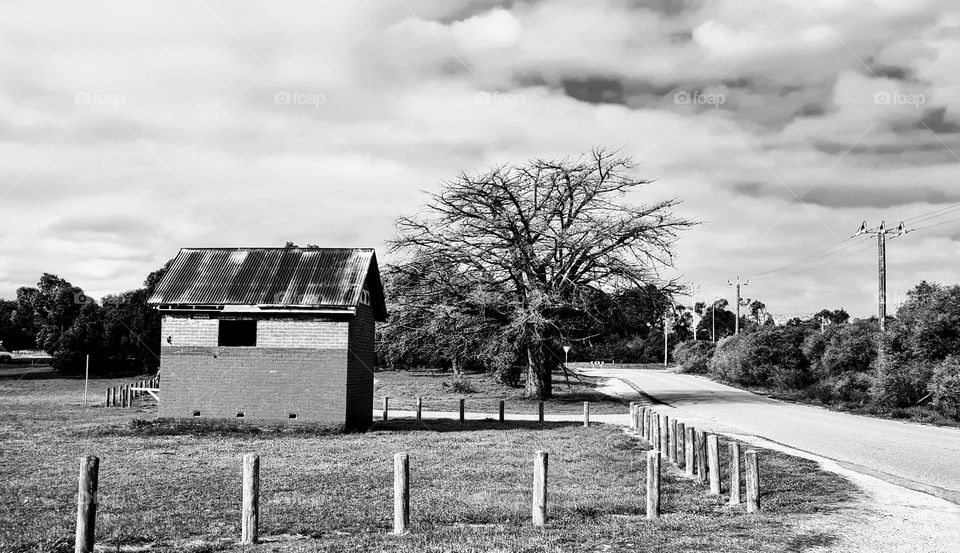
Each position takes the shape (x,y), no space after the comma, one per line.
(401,493)
(501,410)
(753,481)
(734,448)
(419,407)
(129,398)
(540,412)
(250,511)
(654,431)
(87,504)
(701,445)
(107,402)
(642,414)
(586,413)
(664,435)
(690,464)
(653,484)
(633,417)
(540,488)
(681,443)
(647,424)
(713,457)
(386,406)
(462,412)
(672,447)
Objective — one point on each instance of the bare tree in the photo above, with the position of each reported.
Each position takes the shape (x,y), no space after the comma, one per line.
(539,242)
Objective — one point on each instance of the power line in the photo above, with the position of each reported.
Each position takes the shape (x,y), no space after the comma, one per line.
(818,266)
(812,257)
(933,214)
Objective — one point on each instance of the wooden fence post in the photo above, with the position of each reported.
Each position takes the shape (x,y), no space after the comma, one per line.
(419,407)
(681,443)
(586,413)
(701,446)
(753,481)
(501,410)
(655,431)
(664,435)
(87,504)
(713,456)
(129,398)
(632,424)
(734,448)
(688,442)
(107,402)
(653,484)
(386,406)
(540,488)
(401,493)
(540,410)
(462,410)
(673,441)
(115,391)
(647,421)
(250,510)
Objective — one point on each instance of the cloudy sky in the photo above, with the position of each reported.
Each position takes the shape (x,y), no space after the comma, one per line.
(129,130)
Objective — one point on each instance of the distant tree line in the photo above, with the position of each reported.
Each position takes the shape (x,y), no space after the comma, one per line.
(120,333)
(912,369)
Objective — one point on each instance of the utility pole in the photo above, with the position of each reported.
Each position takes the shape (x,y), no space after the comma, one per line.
(738,285)
(666,337)
(881,233)
(693,310)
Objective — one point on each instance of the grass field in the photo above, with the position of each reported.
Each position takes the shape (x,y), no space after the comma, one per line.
(470,486)
(439,394)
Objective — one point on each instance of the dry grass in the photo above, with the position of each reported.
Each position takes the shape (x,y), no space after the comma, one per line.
(439,392)
(470,487)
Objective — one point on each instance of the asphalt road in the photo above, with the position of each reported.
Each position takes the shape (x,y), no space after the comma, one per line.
(920,457)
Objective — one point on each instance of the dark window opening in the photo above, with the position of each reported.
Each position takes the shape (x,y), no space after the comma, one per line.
(196,413)
(237,334)
(240,415)
(293,415)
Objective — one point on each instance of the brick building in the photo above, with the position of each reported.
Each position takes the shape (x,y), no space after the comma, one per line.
(276,335)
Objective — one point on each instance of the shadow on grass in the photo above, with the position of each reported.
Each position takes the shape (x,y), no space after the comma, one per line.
(453,425)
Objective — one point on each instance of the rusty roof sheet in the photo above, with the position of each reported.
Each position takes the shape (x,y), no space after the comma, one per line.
(288,277)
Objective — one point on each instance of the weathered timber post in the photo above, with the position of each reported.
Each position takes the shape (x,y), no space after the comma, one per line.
(753,481)
(734,448)
(713,456)
(401,493)
(673,441)
(540,488)
(647,417)
(419,407)
(250,510)
(462,410)
(681,443)
(586,413)
(386,406)
(540,412)
(689,462)
(107,402)
(87,504)
(701,454)
(664,435)
(632,424)
(653,484)
(501,410)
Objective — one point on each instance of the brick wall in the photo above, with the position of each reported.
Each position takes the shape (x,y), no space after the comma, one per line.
(360,365)
(300,366)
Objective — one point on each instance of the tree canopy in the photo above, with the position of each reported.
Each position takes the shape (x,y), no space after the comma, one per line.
(532,246)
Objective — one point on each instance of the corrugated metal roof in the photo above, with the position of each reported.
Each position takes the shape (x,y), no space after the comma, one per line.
(290,277)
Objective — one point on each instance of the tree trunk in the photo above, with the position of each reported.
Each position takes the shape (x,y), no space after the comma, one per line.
(539,377)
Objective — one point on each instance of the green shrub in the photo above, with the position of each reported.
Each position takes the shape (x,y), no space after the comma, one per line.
(772,356)
(852,388)
(945,387)
(694,356)
(900,381)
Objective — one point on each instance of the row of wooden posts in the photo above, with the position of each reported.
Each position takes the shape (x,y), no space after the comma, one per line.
(501,410)
(697,452)
(122,396)
(668,437)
